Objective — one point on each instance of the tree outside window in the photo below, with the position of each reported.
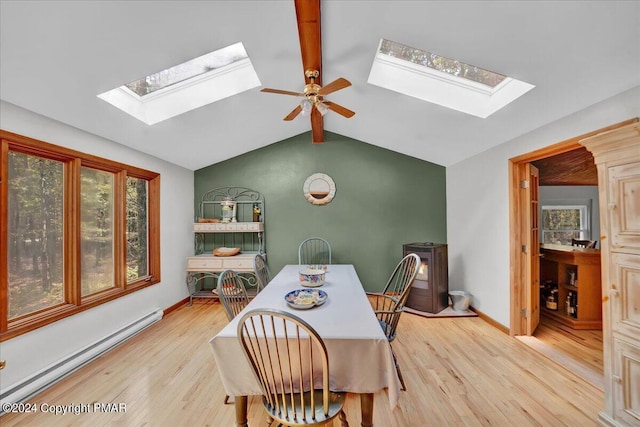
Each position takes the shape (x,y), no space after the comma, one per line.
(560,224)
(35,234)
(78,232)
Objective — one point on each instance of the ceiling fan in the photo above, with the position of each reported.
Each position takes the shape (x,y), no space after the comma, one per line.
(313,104)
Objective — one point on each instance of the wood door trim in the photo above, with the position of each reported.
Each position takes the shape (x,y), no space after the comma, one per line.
(516,213)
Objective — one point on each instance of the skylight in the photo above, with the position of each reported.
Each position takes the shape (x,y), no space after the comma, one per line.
(187,86)
(443,81)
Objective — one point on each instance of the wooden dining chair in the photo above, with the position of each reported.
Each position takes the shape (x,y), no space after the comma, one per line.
(262,271)
(314,250)
(590,244)
(233,295)
(291,364)
(388,305)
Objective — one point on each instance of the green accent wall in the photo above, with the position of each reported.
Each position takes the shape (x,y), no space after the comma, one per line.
(383,200)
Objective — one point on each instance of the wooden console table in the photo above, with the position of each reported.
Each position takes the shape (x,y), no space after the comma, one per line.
(557,264)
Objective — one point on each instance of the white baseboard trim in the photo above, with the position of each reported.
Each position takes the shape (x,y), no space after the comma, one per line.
(56,371)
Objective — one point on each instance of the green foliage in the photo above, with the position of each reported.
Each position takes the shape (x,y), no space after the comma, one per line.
(561,225)
(137,235)
(36,231)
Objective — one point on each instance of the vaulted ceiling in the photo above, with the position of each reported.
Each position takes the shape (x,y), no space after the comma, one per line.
(56,56)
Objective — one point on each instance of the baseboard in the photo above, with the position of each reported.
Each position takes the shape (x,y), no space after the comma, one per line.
(447,312)
(176,306)
(58,370)
(605,420)
(490,320)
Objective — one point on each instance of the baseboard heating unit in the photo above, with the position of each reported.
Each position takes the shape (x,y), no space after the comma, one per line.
(55,372)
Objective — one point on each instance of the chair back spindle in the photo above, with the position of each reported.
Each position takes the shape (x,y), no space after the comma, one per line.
(314,250)
(262,271)
(232,293)
(291,364)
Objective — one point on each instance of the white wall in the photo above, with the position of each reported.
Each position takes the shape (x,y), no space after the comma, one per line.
(478,203)
(31,352)
(551,194)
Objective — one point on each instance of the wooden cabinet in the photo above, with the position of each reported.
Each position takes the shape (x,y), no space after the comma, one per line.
(575,271)
(617,157)
(243,228)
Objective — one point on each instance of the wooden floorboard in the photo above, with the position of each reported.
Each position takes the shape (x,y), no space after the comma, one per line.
(579,351)
(459,372)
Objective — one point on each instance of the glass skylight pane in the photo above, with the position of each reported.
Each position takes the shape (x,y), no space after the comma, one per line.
(186,70)
(443,81)
(187,86)
(441,63)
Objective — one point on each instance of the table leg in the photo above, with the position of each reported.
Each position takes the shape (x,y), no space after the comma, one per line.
(241,411)
(366,407)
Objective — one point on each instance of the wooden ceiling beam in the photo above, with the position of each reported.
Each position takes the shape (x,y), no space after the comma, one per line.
(308,17)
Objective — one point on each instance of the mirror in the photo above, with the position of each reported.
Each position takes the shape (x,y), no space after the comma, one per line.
(319,189)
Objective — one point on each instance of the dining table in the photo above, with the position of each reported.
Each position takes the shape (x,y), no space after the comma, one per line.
(360,357)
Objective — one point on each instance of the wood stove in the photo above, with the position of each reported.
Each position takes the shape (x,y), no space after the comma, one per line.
(430,290)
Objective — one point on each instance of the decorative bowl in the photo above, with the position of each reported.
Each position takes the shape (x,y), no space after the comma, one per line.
(312,278)
(304,299)
(222,251)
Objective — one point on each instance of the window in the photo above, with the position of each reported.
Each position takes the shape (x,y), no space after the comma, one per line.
(186,86)
(561,223)
(35,257)
(96,230)
(137,234)
(78,231)
(444,81)
(188,70)
(440,63)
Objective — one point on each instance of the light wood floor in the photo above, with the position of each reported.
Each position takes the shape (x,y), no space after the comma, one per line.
(459,372)
(579,350)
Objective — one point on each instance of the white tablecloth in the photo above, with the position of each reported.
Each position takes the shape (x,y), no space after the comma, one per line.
(360,358)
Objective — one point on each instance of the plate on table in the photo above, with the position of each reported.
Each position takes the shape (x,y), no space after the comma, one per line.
(303,299)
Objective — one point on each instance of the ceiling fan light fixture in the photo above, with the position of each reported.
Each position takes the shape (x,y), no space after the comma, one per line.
(322,108)
(306,106)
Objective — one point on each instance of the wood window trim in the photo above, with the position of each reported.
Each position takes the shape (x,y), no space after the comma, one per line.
(73,301)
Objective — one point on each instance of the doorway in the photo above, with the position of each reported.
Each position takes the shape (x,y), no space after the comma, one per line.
(525,275)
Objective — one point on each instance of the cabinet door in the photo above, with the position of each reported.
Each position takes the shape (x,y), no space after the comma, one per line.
(626,380)
(625,295)
(624,206)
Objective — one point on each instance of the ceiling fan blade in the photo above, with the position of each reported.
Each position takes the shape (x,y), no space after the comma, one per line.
(281,92)
(339,109)
(317,128)
(334,86)
(292,115)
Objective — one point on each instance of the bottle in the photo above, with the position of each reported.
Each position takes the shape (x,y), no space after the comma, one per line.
(567,305)
(552,300)
(256,212)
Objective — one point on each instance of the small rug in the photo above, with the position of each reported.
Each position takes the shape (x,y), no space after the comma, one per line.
(447,312)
